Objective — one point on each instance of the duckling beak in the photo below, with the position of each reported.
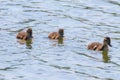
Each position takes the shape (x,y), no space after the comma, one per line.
(110,45)
(109,42)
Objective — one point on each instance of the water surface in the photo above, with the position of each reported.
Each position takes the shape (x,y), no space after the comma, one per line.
(84,21)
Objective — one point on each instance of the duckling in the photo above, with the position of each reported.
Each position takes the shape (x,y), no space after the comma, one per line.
(56,35)
(25,36)
(99,46)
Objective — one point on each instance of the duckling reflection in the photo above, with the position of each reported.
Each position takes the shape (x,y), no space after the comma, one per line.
(28,43)
(60,40)
(105,56)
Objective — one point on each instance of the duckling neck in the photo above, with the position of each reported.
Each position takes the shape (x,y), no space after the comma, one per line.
(105,47)
(29,36)
(61,35)
(61,32)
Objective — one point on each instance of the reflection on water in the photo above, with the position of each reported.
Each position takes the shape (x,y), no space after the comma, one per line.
(29,46)
(106,58)
(60,40)
(28,43)
(84,21)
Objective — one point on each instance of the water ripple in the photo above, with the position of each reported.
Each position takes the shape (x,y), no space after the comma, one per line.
(84,21)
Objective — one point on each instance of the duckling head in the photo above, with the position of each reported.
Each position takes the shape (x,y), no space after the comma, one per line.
(61,32)
(107,41)
(29,34)
(29,31)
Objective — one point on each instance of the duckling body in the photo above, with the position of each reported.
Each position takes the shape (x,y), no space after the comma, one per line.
(21,35)
(53,35)
(25,37)
(99,46)
(95,46)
